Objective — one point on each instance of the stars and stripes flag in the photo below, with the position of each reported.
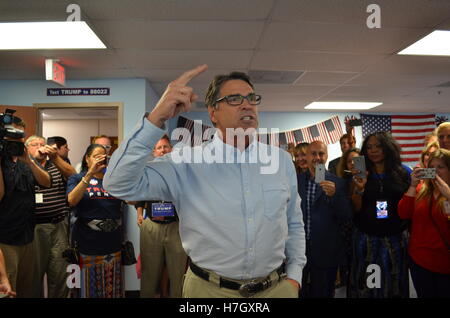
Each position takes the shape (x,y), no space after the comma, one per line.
(197,136)
(408,130)
(328,131)
(334,129)
(188,124)
(195,131)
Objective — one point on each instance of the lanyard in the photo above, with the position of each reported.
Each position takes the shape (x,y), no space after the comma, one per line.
(379,178)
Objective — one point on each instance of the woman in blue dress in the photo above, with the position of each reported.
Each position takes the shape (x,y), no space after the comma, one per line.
(97,233)
(380,236)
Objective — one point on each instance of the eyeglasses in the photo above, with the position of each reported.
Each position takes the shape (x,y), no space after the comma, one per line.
(238,99)
(107,147)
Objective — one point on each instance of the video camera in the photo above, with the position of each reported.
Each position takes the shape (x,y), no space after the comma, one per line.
(10,147)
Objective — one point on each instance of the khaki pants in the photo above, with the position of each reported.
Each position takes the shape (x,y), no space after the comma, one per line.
(196,287)
(50,240)
(161,243)
(19,262)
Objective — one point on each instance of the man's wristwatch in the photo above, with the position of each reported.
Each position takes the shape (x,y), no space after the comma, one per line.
(359,192)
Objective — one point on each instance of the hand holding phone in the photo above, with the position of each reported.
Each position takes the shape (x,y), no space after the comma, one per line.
(360,164)
(427,173)
(319,173)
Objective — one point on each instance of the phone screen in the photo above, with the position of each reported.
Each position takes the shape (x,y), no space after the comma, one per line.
(428,173)
(382,210)
(360,164)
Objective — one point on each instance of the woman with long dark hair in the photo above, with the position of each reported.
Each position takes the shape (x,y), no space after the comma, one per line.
(426,204)
(343,170)
(379,237)
(346,165)
(97,232)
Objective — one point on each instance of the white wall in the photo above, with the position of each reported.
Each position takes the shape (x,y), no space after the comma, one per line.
(78,133)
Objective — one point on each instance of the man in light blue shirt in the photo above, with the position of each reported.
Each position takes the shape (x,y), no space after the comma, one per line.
(240,219)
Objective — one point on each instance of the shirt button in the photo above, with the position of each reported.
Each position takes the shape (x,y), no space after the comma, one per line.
(250,219)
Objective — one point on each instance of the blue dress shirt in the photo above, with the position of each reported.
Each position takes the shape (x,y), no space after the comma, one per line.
(234,220)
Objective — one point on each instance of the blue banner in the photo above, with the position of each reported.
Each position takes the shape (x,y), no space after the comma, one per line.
(100,91)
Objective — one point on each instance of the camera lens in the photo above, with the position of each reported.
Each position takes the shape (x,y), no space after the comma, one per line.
(7,119)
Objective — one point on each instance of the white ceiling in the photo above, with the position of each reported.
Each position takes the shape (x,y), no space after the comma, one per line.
(342,59)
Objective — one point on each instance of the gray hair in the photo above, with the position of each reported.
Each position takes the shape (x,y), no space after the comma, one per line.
(31,138)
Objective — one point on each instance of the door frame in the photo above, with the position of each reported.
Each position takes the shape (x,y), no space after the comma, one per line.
(117,105)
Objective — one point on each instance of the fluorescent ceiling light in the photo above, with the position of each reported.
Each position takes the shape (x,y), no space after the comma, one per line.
(48,35)
(342,105)
(435,43)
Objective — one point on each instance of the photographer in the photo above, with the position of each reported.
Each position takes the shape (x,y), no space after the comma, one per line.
(426,205)
(18,176)
(50,234)
(97,233)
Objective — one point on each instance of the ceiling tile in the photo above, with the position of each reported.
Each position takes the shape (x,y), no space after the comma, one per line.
(310,61)
(178,35)
(328,37)
(393,80)
(413,65)
(148,59)
(280,90)
(325,78)
(398,13)
(166,76)
(33,10)
(178,9)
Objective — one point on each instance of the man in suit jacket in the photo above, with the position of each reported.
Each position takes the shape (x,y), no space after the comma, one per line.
(325,206)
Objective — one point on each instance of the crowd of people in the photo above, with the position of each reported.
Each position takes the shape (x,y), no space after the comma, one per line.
(217,229)
(414,232)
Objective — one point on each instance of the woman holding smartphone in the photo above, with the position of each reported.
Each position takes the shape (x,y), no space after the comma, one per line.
(344,171)
(97,232)
(426,204)
(379,237)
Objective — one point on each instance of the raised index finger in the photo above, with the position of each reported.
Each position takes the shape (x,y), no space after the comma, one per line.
(187,76)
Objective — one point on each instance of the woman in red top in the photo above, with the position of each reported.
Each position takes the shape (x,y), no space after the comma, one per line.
(427,206)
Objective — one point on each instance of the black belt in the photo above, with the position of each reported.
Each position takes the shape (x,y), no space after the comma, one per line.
(164,221)
(53,220)
(102,225)
(247,289)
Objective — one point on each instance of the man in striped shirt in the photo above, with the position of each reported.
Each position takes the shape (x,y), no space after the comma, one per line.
(51,237)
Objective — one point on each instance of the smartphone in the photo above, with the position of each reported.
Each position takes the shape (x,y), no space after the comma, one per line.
(107,160)
(428,173)
(447,209)
(382,210)
(320,173)
(355,122)
(360,164)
